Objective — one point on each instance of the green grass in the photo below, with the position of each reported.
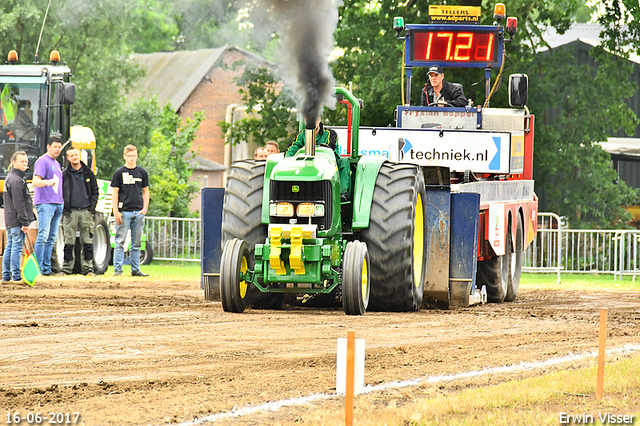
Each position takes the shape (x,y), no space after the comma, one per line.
(166,270)
(540,400)
(578,282)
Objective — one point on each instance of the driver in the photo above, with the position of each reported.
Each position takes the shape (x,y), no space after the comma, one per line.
(328,137)
(438,92)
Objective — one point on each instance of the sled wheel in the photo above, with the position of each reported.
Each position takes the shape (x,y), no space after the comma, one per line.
(355,278)
(146,255)
(494,274)
(234,262)
(101,247)
(515,270)
(211,285)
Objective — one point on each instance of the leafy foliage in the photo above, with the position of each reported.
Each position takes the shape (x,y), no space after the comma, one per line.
(269,107)
(166,161)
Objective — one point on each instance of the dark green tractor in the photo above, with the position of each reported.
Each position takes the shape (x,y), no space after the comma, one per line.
(285,229)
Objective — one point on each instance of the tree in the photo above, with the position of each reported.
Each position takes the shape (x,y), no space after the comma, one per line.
(573,175)
(269,105)
(166,161)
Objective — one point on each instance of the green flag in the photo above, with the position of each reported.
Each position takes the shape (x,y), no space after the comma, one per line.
(30,269)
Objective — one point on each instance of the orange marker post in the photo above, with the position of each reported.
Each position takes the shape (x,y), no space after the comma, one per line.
(348,400)
(603,340)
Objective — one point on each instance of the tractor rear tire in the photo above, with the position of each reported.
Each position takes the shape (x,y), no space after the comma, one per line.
(233,290)
(242,218)
(242,208)
(515,271)
(356,288)
(395,239)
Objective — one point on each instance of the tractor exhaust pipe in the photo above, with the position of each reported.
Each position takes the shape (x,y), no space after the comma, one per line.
(310,142)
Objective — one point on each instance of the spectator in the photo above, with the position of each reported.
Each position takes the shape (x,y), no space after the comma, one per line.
(80,193)
(130,204)
(272,147)
(260,154)
(18,214)
(47,182)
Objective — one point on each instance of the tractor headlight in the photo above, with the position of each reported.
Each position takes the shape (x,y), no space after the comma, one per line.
(281,209)
(310,210)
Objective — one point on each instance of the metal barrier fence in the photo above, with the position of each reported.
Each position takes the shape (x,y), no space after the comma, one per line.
(555,249)
(174,238)
(559,249)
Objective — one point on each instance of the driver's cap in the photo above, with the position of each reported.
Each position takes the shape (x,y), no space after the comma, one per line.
(435,68)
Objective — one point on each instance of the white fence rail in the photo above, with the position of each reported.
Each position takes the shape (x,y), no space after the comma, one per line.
(559,249)
(174,238)
(555,249)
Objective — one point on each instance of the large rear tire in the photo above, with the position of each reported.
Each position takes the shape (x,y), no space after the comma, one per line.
(233,290)
(355,278)
(242,218)
(395,239)
(242,208)
(515,271)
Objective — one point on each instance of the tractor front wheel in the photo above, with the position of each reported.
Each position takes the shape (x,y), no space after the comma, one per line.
(233,289)
(355,278)
(242,218)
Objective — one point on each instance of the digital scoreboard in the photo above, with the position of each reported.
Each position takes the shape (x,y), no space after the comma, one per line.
(454,45)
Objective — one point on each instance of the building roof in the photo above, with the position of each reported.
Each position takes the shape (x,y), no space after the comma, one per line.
(173,76)
(200,163)
(627,147)
(586,33)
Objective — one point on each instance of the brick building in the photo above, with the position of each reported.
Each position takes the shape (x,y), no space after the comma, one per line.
(201,80)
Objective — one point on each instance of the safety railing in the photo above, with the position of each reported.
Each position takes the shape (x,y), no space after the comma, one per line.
(543,254)
(558,249)
(174,238)
(555,249)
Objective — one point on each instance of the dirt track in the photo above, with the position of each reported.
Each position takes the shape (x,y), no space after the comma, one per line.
(137,351)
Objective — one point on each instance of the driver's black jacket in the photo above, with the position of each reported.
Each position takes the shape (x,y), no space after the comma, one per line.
(452,94)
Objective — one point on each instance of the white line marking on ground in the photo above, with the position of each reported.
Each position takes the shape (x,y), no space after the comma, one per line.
(523,366)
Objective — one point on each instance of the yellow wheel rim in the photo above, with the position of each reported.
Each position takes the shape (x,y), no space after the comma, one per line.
(418,242)
(243,285)
(365,279)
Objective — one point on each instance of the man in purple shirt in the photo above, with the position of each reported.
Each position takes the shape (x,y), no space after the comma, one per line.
(47,191)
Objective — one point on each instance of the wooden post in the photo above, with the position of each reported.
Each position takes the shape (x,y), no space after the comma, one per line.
(348,400)
(601,346)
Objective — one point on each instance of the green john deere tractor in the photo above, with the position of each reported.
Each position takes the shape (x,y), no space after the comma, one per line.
(286,230)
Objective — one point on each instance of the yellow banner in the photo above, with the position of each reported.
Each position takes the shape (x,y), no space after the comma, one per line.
(454,14)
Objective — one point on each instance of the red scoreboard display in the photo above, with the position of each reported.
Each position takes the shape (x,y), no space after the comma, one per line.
(463,46)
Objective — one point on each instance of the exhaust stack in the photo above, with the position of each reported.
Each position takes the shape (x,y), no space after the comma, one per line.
(310,142)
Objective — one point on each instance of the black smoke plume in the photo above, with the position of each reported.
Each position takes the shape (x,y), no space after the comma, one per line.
(306,30)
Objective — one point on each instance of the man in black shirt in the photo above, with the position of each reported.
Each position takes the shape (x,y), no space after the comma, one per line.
(130,185)
(80,193)
(18,214)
